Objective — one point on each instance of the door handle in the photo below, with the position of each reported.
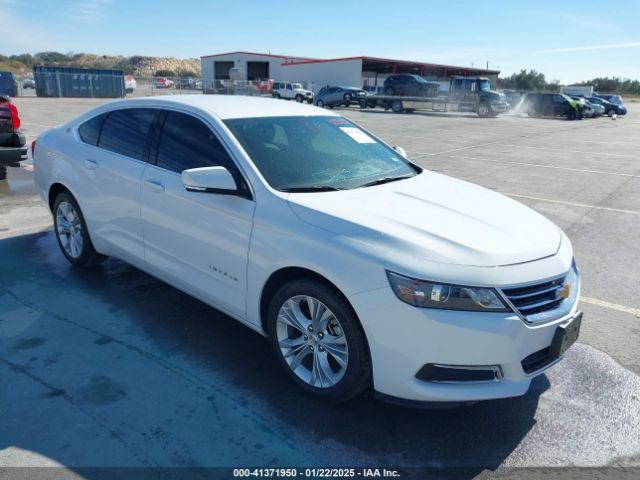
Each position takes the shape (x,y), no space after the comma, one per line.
(154,185)
(90,164)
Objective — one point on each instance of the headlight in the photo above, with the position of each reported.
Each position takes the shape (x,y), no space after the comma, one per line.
(421,293)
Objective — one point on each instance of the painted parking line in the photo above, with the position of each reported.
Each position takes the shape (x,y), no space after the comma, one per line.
(573,204)
(612,306)
(562,150)
(584,170)
(37,125)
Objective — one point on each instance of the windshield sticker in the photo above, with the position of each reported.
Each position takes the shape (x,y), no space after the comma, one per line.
(357,134)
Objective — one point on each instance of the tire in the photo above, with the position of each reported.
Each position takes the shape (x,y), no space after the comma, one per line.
(3,172)
(66,210)
(320,103)
(484,110)
(310,101)
(571,115)
(299,98)
(276,95)
(347,99)
(363,104)
(389,91)
(396,106)
(337,380)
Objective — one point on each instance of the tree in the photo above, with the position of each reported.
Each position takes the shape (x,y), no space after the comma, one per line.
(526,80)
(165,73)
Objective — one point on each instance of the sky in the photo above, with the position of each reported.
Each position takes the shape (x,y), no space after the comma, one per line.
(566,40)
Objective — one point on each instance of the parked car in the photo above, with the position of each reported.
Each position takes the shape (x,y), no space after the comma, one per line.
(29,82)
(552,104)
(361,268)
(8,85)
(588,109)
(615,99)
(187,83)
(609,108)
(409,85)
(162,82)
(291,91)
(333,96)
(12,141)
(130,84)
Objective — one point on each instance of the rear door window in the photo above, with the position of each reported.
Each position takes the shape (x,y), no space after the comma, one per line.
(126,131)
(89,131)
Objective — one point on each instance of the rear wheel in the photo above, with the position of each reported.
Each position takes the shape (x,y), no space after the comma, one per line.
(319,341)
(397,107)
(3,172)
(72,234)
(571,115)
(299,98)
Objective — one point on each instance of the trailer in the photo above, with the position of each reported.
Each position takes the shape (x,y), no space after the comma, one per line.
(465,94)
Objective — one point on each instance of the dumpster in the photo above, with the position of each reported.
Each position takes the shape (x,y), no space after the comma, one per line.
(78,82)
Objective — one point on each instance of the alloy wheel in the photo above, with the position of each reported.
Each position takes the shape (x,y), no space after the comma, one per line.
(312,341)
(69,229)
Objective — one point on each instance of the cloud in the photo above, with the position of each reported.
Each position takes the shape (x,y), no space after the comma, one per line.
(88,10)
(609,46)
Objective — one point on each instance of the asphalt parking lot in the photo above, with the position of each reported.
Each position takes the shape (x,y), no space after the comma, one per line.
(112,367)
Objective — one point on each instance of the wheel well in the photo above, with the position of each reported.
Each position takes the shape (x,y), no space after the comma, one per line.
(278,278)
(54,190)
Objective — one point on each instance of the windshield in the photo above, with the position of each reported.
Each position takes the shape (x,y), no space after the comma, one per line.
(484,85)
(419,79)
(320,151)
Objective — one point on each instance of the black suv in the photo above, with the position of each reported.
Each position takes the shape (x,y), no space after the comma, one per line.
(552,105)
(410,86)
(12,142)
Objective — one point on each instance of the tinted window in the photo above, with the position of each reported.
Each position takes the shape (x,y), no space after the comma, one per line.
(126,131)
(89,131)
(186,143)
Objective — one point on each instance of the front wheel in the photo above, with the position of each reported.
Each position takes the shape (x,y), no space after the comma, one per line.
(347,99)
(320,103)
(484,110)
(319,341)
(72,234)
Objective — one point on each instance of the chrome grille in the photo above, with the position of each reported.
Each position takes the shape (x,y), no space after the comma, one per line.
(532,299)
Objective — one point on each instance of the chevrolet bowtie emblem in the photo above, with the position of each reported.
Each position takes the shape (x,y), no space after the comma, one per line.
(564,291)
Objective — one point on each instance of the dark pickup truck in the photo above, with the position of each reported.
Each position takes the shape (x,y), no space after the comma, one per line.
(12,141)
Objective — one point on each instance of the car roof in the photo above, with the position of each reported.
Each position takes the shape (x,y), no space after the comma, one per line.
(230,106)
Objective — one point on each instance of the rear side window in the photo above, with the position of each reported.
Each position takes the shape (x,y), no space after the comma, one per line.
(186,143)
(89,131)
(126,131)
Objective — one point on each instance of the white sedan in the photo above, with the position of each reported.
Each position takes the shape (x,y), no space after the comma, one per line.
(364,270)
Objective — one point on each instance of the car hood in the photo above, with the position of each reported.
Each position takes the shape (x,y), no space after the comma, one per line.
(434,218)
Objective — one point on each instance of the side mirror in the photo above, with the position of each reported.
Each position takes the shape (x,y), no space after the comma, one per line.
(400,151)
(209,179)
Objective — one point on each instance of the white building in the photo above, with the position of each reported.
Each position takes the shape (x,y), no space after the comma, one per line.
(351,71)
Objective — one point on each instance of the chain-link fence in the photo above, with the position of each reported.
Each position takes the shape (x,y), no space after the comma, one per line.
(96,85)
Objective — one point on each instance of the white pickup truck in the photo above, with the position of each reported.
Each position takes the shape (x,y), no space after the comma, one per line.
(291,91)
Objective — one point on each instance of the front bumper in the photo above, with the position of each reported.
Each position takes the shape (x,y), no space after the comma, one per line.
(403,339)
(500,107)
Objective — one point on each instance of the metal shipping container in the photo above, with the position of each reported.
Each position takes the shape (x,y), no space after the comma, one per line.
(78,82)
(8,84)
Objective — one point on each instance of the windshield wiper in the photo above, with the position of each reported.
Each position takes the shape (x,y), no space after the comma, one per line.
(312,188)
(380,181)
